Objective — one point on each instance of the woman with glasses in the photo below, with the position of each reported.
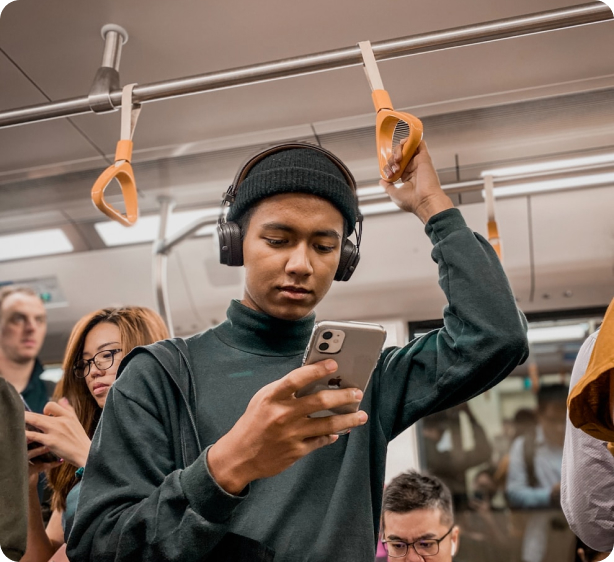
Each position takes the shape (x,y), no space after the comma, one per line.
(95,349)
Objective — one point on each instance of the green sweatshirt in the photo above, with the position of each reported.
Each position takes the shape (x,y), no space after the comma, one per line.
(136,501)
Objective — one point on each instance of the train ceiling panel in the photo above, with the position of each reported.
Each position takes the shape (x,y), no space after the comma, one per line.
(60,49)
(573,248)
(40,144)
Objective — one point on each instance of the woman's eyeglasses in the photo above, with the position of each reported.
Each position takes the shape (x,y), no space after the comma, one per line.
(103,360)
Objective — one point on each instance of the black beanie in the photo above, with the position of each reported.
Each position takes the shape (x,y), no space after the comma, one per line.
(296,170)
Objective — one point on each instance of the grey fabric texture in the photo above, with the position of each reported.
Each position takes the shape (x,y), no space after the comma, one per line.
(587,478)
(13,473)
(296,170)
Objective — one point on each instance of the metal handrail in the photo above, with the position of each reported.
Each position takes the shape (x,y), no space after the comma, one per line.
(551,20)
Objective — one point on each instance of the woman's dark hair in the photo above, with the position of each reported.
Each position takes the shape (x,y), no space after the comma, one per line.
(137,326)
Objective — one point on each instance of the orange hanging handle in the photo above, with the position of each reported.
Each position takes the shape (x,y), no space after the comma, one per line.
(390,126)
(493,238)
(121,171)
(492,227)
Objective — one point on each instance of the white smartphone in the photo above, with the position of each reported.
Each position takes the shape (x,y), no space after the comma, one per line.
(355,346)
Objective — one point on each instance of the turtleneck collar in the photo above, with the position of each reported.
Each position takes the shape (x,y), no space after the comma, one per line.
(261,334)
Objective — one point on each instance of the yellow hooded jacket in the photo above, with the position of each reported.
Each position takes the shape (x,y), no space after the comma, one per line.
(591,400)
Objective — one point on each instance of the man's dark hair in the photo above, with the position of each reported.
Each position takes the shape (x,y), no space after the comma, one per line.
(410,491)
(552,394)
(244,220)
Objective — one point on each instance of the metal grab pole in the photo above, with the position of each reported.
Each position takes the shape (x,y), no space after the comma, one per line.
(160,266)
(456,37)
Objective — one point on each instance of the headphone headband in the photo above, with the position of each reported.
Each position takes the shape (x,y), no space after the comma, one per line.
(229,233)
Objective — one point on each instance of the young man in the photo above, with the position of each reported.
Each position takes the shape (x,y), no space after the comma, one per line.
(418,520)
(269,480)
(23,325)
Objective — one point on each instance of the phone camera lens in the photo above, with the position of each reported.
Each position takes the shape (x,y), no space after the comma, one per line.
(327,335)
(323,346)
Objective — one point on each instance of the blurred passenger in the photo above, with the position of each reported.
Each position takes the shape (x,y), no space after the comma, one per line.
(445,455)
(13,474)
(587,487)
(418,519)
(486,527)
(523,424)
(534,480)
(95,349)
(23,325)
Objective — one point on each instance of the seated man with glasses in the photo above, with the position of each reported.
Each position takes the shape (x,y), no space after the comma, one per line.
(418,519)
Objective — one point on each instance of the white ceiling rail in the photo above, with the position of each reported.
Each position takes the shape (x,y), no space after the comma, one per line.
(160,265)
(551,20)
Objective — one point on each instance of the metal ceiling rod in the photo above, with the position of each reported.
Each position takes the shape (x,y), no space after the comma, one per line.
(592,12)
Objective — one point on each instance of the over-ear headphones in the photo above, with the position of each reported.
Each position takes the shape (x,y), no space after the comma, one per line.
(229,232)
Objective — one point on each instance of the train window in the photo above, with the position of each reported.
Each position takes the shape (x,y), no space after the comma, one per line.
(501,453)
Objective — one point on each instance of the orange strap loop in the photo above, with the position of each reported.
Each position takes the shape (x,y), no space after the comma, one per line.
(122,169)
(494,239)
(390,126)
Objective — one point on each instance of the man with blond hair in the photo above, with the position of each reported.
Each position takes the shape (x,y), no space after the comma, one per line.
(23,326)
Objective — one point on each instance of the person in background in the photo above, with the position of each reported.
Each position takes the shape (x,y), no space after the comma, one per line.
(534,479)
(587,479)
(23,326)
(418,519)
(486,526)
(445,455)
(523,424)
(13,471)
(95,349)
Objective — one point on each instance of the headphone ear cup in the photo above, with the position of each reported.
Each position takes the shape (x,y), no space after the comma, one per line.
(231,244)
(348,261)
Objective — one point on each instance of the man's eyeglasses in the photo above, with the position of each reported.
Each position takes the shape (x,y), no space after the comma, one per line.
(103,360)
(423,547)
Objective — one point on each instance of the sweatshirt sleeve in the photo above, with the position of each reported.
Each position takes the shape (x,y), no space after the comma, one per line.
(134,503)
(483,338)
(587,484)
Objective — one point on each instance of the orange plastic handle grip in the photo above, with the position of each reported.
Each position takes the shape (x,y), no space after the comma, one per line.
(384,131)
(125,176)
(493,238)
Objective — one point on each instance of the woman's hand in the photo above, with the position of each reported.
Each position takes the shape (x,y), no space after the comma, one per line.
(421,191)
(36,467)
(62,434)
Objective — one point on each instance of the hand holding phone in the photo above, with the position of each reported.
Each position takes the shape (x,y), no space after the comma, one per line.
(45,457)
(275,432)
(61,431)
(355,346)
